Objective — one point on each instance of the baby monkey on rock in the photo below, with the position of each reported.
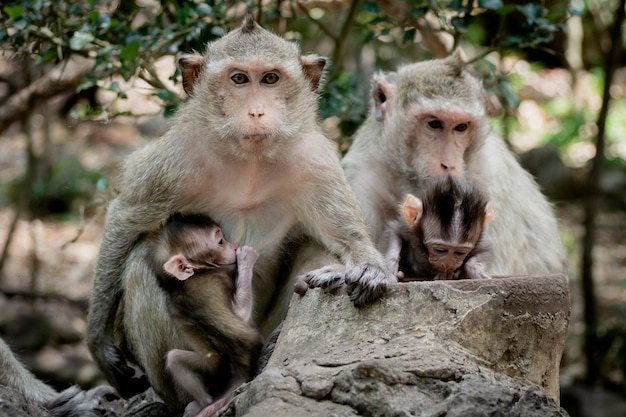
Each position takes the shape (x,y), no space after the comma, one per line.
(439,235)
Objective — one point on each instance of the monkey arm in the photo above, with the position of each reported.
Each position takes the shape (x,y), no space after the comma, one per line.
(341,229)
(72,402)
(242,305)
(393,250)
(123,226)
(475,266)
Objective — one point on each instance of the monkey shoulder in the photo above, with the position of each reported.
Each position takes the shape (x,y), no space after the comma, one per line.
(165,170)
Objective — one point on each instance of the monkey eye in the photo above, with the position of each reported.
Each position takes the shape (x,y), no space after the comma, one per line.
(461,127)
(219,237)
(270,78)
(435,124)
(460,252)
(239,78)
(440,250)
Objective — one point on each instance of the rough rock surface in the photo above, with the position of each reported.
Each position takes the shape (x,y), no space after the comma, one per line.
(462,348)
(455,348)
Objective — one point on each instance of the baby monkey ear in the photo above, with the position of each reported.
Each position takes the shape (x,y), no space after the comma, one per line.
(179,267)
(190,67)
(488,214)
(412,210)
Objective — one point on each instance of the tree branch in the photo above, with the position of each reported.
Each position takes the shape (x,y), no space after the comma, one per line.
(67,75)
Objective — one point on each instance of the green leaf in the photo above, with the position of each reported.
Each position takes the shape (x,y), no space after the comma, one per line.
(114,86)
(370,6)
(204,9)
(13,11)
(530,10)
(80,39)
(102,184)
(130,51)
(409,36)
(490,4)
(93,16)
(575,12)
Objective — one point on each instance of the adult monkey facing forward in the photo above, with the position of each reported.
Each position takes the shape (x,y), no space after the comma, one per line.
(246,150)
(430,119)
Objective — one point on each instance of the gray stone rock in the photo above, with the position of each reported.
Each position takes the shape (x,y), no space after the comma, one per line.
(428,349)
(456,348)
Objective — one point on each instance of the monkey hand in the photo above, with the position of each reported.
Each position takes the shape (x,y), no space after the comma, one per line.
(246,256)
(447,276)
(474,269)
(367,283)
(330,278)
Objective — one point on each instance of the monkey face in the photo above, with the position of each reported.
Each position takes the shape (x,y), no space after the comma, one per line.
(444,138)
(447,258)
(221,251)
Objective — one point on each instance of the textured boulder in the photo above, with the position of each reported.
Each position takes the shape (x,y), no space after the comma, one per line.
(456,348)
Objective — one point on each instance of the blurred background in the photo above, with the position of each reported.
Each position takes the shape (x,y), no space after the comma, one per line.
(83,83)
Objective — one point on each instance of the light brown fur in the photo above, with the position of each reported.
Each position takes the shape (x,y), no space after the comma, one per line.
(208,285)
(223,136)
(396,150)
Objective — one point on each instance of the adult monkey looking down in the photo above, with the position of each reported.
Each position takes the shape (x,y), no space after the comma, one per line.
(430,119)
(246,150)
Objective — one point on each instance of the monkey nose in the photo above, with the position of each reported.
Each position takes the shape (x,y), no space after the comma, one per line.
(256,114)
(447,167)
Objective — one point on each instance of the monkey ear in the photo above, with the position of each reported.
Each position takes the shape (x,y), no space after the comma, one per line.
(190,66)
(179,267)
(488,214)
(313,67)
(412,210)
(383,92)
(492,104)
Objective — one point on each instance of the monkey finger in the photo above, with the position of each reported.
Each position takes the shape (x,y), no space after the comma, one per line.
(367,283)
(329,278)
(300,286)
(74,401)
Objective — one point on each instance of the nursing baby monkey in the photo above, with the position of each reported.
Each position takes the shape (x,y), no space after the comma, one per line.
(208,282)
(430,119)
(440,233)
(246,150)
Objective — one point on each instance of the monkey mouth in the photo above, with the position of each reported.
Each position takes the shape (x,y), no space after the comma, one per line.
(256,137)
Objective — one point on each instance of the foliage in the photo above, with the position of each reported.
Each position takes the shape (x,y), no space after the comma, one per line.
(342,99)
(577,124)
(125,38)
(55,191)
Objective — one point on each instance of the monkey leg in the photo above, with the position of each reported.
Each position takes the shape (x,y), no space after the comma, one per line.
(189,370)
(220,402)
